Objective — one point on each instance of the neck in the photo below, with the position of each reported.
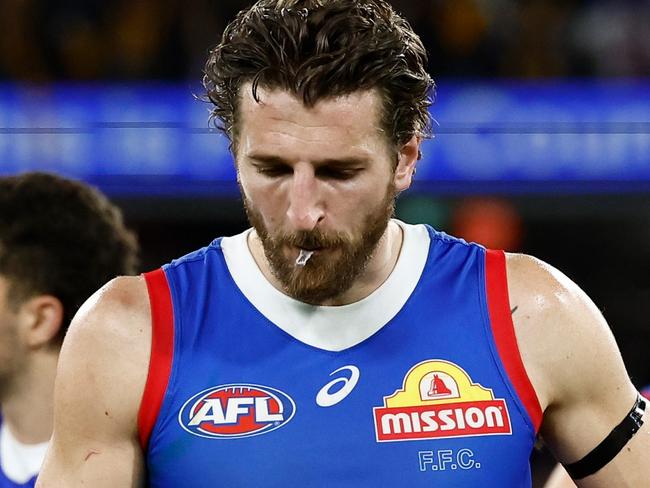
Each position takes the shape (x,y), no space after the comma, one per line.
(376,272)
(28,409)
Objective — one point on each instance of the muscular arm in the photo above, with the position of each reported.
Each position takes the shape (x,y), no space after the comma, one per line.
(559,478)
(577,371)
(100,379)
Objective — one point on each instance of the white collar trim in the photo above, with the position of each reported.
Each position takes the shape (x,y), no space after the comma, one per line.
(325,327)
(19,462)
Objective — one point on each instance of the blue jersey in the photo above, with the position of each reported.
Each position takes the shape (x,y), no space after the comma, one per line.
(6,482)
(419,384)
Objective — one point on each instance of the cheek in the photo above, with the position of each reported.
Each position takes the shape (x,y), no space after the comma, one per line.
(8,338)
(267,202)
(359,197)
(347,209)
(259,192)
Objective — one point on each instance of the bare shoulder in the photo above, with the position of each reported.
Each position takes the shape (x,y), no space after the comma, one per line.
(118,313)
(100,379)
(108,345)
(557,326)
(570,355)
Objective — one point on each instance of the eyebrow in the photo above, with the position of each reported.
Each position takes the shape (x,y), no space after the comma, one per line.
(277,160)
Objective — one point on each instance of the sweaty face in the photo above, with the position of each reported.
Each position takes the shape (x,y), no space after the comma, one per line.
(318,179)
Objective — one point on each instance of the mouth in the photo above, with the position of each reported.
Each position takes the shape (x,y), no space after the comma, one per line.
(303,257)
(313,249)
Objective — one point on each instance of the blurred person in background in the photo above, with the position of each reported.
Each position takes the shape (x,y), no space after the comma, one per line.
(306,350)
(59,241)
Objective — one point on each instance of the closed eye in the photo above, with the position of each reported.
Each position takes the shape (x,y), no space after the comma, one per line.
(274,170)
(334,173)
(328,169)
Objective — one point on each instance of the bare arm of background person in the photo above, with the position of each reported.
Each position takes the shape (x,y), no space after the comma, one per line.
(577,371)
(100,380)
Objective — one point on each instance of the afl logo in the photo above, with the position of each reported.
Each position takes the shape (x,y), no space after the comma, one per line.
(235,411)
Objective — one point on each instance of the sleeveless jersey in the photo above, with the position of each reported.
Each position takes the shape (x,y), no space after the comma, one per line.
(5,480)
(420,384)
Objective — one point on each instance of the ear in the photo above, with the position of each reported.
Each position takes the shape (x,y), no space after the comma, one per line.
(408,156)
(42,317)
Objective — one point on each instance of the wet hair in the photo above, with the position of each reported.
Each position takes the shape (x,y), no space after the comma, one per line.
(62,238)
(319,49)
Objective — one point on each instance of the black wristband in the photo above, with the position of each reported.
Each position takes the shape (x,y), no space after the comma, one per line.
(604,452)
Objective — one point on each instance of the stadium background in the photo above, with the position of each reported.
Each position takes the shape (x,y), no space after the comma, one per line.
(542,137)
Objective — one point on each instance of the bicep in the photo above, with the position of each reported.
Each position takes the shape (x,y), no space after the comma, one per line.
(100,379)
(576,368)
(559,478)
(629,468)
(593,395)
(591,391)
(88,446)
(75,461)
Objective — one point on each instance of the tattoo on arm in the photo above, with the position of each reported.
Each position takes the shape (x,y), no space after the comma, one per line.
(512,312)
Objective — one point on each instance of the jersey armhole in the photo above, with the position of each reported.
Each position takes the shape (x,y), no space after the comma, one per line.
(162,351)
(503,331)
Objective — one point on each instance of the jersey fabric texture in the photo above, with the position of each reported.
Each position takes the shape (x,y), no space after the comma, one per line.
(5,480)
(432,393)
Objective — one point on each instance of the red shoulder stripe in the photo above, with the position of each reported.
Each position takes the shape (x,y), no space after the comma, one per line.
(162,351)
(504,333)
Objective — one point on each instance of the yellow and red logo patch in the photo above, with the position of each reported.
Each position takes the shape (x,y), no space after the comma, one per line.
(439,400)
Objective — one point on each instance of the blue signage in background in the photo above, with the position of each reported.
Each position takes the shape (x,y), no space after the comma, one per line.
(126,139)
(503,137)
(579,136)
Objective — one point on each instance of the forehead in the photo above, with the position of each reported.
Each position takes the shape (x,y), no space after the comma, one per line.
(280,121)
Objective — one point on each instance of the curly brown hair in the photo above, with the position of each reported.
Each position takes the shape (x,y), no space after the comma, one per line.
(62,238)
(318,49)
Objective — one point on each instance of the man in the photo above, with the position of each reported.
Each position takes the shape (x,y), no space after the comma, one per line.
(330,345)
(59,241)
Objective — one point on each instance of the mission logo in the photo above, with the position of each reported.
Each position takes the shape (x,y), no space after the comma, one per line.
(439,400)
(235,411)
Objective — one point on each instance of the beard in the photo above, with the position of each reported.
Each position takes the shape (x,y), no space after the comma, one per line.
(339,261)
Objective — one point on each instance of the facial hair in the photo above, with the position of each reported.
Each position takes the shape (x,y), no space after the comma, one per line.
(341,258)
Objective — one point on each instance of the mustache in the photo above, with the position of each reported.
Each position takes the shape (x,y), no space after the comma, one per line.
(312,239)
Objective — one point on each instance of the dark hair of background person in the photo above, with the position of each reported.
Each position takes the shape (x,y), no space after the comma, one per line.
(62,238)
(318,49)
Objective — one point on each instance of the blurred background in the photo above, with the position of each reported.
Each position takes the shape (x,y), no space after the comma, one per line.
(542,129)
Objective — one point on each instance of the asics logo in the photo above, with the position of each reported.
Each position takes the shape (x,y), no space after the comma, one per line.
(327,398)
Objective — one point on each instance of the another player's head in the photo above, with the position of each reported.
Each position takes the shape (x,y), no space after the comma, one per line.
(325,103)
(60,240)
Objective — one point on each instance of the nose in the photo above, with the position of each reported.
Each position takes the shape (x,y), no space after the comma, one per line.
(305,208)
